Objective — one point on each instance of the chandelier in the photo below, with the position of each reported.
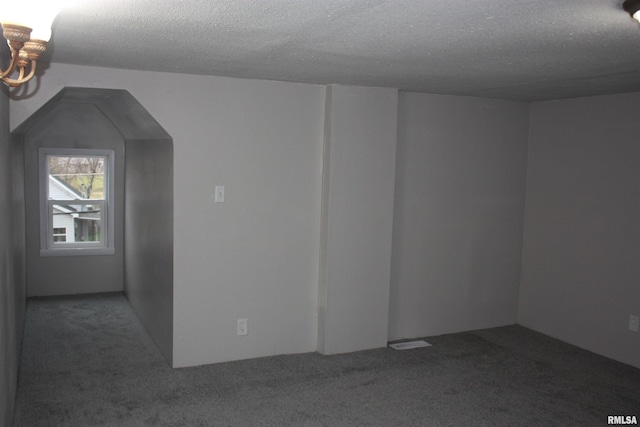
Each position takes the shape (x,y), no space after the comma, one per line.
(27,31)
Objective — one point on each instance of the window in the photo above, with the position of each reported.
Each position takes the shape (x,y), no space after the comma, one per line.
(59,234)
(76,202)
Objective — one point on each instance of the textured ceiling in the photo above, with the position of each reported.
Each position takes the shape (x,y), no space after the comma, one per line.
(510,49)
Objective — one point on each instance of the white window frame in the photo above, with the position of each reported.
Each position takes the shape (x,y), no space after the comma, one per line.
(47,245)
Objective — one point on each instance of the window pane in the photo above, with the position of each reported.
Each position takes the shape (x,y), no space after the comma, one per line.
(72,177)
(84,219)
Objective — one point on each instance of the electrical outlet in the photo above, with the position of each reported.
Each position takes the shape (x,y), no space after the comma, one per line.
(243,327)
(633,323)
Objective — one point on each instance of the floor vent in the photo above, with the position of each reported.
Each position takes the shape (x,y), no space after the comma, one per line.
(407,345)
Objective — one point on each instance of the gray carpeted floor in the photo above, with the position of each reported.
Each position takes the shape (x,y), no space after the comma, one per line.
(87,361)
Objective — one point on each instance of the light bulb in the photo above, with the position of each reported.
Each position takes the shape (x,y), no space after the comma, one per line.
(38,16)
(42,20)
(14,13)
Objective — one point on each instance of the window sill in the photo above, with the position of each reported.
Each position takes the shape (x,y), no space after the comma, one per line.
(77,252)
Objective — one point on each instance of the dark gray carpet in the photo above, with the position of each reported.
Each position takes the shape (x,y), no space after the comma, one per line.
(87,361)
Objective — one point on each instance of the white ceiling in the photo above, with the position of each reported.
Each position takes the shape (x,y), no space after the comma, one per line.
(510,49)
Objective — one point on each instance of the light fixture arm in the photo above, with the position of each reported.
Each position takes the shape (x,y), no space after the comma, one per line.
(12,65)
(21,79)
(28,55)
(27,33)
(25,57)
(17,36)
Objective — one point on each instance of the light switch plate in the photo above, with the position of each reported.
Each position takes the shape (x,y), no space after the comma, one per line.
(219,196)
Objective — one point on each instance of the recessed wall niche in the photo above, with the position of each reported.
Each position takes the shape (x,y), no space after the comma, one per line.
(142,266)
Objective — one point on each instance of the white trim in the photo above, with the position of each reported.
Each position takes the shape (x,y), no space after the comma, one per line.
(47,245)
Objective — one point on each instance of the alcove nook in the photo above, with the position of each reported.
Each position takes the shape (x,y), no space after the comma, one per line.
(141,264)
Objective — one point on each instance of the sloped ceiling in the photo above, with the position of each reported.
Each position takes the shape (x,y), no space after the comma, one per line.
(510,49)
(122,110)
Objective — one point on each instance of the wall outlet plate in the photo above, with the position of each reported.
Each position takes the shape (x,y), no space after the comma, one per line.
(633,323)
(243,326)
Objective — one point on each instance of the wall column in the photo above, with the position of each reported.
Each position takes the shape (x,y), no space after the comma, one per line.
(357,218)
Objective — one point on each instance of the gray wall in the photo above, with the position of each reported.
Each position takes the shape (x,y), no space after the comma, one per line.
(70,125)
(12,265)
(357,218)
(581,257)
(256,255)
(458,219)
(149,237)
(459,204)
